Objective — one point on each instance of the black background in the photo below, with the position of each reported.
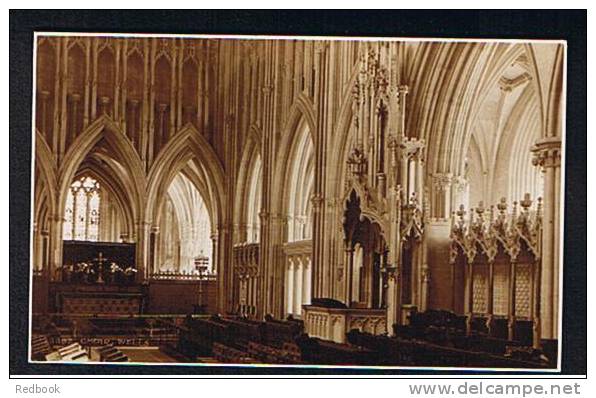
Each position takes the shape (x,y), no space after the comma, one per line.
(512,24)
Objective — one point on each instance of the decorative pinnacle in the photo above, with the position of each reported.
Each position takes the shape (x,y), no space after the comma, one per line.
(461,212)
(480,209)
(526,203)
(502,206)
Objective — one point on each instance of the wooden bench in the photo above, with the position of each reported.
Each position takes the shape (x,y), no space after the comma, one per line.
(404,352)
(226,354)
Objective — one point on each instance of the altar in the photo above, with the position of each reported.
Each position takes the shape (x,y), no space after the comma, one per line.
(97,299)
(97,278)
(97,262)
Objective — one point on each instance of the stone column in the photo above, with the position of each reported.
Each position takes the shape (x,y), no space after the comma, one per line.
(142,250)
(547,155)
(511,309)
(290,287)
(214,238)
(154,262)
(44,250)
(348,274)
(469,296)
(44,96)
(393,299)
(54,252)
(420,178)
(490,296)
(37,244)
(306,281)
(535,310)
(222,253)
(442,195)
(298,272)
(319,272)
(425,282)
(321,283)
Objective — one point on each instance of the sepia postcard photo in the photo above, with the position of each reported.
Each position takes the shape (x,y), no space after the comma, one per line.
(297,201)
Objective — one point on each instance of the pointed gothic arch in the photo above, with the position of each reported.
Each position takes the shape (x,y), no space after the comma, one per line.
(247,203)
(186,145)
(103,127)
(47,179)
(111,183)
(301,117)
(298,184)
(185,228)
(549,88)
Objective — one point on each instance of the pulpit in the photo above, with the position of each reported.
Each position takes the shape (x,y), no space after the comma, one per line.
(332,323)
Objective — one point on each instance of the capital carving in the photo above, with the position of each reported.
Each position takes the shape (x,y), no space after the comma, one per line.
(547,152)
(392,272)
(411,148)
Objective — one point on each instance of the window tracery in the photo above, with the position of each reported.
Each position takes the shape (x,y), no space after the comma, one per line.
(82,215)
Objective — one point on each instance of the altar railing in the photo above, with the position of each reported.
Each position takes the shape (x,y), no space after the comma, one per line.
(182,276)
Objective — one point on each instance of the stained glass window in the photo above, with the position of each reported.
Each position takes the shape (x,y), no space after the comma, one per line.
(93,216)
(81,216)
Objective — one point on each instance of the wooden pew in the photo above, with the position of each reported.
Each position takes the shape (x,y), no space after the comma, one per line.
(448,329)
(323,352)
(276,333)
(241,331)
(40,347)
(288,354)
(226,354)
(197,336)
(397,351)
(393,352)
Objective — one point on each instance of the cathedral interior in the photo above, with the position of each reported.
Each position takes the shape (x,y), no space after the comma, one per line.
(280,201)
